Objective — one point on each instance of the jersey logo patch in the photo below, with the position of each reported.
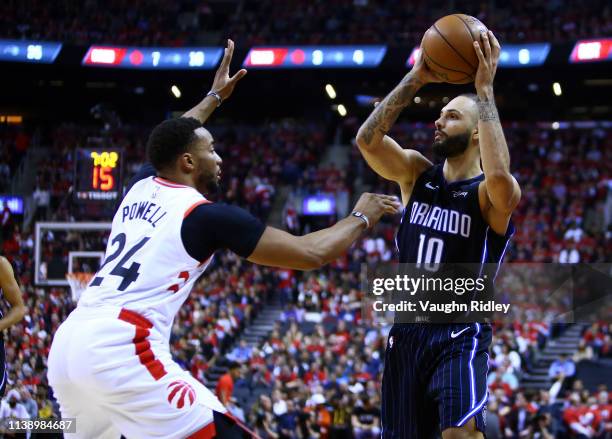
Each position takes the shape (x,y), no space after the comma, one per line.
(457,334)
(428,185)
(180,394)
(390,342)
(459,194)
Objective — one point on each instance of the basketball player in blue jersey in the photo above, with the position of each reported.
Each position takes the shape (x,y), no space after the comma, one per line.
(12,294)
(455,212)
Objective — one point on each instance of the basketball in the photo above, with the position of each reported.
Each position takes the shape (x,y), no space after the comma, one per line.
(448,47)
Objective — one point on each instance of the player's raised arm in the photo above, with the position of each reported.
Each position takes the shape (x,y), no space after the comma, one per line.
(277,248)
(383,154)
(12,294)
(222,87)
(501,191)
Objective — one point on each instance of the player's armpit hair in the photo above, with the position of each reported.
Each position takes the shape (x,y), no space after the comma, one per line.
(169,139)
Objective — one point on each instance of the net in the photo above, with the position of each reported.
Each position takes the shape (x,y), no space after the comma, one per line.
(62,247)
(78,281)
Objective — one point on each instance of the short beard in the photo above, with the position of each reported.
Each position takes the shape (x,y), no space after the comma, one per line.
(209,182)
(452,146)
(213,188)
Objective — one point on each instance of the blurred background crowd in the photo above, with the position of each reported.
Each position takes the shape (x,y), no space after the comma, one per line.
(291,353)
(317,371)
(168,23)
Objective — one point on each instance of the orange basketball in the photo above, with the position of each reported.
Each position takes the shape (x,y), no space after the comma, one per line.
(448,47)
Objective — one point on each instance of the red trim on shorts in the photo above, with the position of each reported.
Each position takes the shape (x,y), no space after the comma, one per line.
(168,183)
(134,318)
(207,432)
(142,346)
(194,205)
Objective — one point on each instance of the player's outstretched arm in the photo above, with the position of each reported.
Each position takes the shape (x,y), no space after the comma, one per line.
(381,152)
(277,248)
(12,294)
(501,191)
(222,88)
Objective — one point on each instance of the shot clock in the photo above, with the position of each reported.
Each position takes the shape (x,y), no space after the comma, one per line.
(98,175)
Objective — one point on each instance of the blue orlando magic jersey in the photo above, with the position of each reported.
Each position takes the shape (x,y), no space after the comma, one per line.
(442,223)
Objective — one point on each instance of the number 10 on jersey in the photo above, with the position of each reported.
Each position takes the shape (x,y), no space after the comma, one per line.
(429,254)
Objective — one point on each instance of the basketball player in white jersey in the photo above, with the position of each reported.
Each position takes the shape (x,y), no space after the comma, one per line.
(110,365)
(12,294)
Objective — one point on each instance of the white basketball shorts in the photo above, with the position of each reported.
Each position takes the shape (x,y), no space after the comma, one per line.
(112,370)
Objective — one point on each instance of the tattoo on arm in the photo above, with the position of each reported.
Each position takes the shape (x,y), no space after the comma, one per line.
(487,110)
(387,112)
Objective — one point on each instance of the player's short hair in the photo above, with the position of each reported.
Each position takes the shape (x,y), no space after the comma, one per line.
(170,139)
(472,96)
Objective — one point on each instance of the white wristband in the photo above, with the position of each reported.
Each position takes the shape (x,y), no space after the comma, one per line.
(215,95)
(362,217)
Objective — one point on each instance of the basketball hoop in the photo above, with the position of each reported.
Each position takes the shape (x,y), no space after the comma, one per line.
(78,281)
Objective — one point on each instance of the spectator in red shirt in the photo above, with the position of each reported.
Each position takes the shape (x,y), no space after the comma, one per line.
(225,386)
(583,421)
(499,384)
(604,409)
(315,374)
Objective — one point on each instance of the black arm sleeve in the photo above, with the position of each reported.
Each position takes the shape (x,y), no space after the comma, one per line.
(146,170)
(214,226)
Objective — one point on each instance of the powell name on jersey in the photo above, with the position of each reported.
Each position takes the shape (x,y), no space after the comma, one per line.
(146,267)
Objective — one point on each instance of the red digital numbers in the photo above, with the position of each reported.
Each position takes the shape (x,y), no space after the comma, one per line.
(103,165)
(103,178)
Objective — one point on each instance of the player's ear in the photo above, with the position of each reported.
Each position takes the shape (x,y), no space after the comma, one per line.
(187,162)
(475,133)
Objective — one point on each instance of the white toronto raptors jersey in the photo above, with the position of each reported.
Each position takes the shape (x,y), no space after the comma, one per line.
(146,267)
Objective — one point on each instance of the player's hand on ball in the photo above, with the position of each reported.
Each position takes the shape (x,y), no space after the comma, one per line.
(223,84)
(422,71)
(374,206)
(488,51)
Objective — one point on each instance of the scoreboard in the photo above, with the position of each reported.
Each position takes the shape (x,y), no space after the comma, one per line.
(592,50)
(29,51)
(98,173)
(312,57)
(153,57)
